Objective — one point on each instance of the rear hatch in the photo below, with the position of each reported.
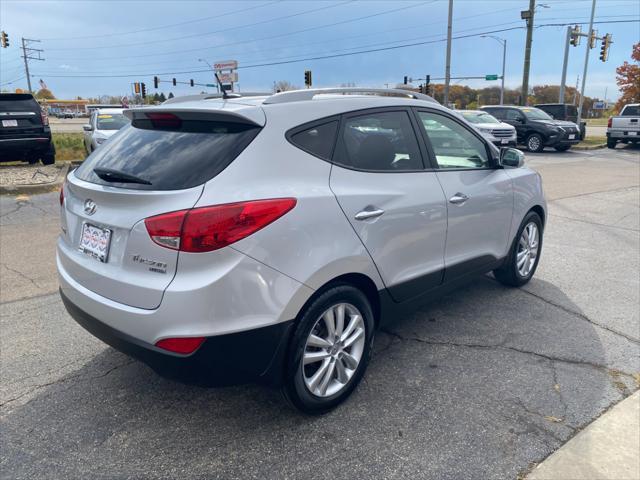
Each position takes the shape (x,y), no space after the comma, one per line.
(156,165)
(20,116)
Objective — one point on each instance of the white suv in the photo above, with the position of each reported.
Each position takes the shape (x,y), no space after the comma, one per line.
(266,238)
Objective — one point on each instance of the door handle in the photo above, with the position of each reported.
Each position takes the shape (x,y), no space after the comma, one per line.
(366,214)
(458,199)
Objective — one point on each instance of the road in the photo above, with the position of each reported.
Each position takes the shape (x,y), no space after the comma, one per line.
(481,384)
(67,125)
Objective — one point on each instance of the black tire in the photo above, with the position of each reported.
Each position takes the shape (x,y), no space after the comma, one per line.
(49,159)
(534,142)
(32,160)
(562,148)
(508,273)
(294,389)
(611,143)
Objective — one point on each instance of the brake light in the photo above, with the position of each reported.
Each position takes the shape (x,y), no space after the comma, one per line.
(609,122)
(62,193)
(210,228)
(164,120)
(45,117)
(184,345)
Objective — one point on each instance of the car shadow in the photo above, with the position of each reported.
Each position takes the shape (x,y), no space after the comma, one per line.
(478,384)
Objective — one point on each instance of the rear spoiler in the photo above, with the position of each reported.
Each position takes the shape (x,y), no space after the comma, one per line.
(248,115)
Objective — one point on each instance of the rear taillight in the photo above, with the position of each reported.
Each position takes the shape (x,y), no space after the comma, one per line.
(45,117)
(183,345)
(609,122)
(164,120)
(62,194)
(209,228)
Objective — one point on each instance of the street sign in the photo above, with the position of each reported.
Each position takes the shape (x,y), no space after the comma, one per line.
(491,77)
(211,85)
(226,65)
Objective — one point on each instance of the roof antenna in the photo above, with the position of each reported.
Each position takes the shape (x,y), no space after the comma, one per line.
(225,95)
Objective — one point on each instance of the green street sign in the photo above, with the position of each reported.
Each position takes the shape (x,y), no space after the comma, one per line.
(491,77)
(210,85)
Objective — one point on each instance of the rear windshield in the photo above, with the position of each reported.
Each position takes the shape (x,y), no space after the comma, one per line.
(170,159)
(111,121)
(18,103)
(631,111)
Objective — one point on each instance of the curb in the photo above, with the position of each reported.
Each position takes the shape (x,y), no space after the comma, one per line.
(31,189)
(589,147)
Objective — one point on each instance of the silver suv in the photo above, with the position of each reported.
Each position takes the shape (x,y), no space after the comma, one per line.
(266,238)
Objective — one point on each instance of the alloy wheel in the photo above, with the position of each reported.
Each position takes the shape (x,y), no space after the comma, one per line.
(528,246)
(333,350)
(533,143)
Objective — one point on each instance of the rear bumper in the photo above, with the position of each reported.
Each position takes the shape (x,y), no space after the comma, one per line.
(251,356)
(624,135)
(11,148)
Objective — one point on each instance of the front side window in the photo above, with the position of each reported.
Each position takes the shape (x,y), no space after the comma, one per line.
(383,141)
(453,145)
(317,140)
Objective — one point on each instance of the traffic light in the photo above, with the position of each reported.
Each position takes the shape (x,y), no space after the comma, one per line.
(426,84)
(143,90)
(191,82)
(604,49)
(575,36)
(4,39)
(406,79)
(174,82)
(593,38)
(136,88)
(307,78)
(155,82)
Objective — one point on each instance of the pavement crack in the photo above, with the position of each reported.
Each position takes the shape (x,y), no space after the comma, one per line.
(589,222)
(581,316)
(63,380)
(620,189)
(22,275)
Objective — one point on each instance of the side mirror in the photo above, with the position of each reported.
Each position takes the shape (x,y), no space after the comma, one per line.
(520,119)
(87,127)
(511,157)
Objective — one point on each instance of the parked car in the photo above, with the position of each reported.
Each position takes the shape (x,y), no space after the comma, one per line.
(265,239)
(24,130)
(535,128)
(103,124)
(497,132)
(564,111)
(625,127)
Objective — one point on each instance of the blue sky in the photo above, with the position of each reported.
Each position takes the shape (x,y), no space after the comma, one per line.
(106,39)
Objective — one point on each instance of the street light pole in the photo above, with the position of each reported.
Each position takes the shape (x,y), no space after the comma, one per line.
(503,42)
(586,61)
(213,70)
(447,71)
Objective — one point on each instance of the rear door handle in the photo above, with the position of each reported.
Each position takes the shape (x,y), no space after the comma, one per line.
(366,214)
(458,199)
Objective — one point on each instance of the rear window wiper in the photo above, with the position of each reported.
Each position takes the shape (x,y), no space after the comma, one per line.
(110,175)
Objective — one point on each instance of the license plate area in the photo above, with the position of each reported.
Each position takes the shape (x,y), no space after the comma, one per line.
(9,123)
(572,136)
(95,241)
(504,141)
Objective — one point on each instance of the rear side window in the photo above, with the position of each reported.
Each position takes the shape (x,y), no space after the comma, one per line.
(170,157)
(317,140)
(383,141)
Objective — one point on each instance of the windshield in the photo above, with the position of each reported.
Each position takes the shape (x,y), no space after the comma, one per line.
(536,114)
(111,121)
(480,117)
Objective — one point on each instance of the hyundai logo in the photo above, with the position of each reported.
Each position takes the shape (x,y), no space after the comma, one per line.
(90,207)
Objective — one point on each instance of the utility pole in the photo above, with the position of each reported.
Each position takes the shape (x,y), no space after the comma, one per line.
(564,65)
(528,16)
(447,73)
(26,55)
(575,95)
(586,61)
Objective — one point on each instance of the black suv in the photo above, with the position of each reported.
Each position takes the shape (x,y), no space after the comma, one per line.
(535,128)
(24,130)
(564,111)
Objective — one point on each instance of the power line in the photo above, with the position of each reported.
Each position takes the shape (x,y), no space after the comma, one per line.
(14,80)
(204,34)
(257,39)
(150,29)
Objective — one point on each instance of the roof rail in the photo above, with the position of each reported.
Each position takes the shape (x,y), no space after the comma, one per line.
(309,94)
(208,96)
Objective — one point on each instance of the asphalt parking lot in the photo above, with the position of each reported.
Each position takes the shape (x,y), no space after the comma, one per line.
(482,384)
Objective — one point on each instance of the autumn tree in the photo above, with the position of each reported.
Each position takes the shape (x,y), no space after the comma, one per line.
(284,85)
(628,79)
(45,94)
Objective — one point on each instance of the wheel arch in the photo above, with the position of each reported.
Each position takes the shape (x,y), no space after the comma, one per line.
(540,211)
